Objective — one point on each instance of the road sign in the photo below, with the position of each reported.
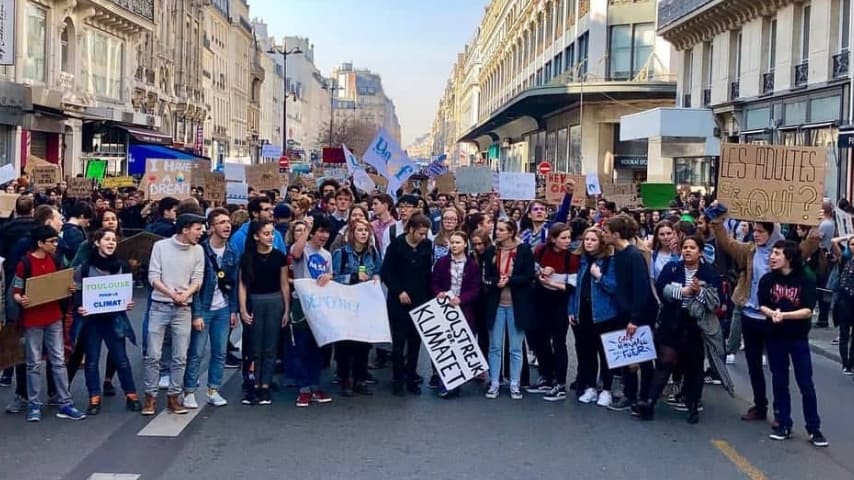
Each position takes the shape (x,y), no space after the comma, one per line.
(284,162)
(544,168)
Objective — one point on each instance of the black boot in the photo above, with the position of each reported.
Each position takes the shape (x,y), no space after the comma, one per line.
(644,410)
(693,413)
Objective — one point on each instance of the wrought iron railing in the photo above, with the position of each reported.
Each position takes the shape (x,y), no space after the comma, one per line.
(802,74)
(734,90)
(768,82)
(143,8)
(707,96)
(840,64)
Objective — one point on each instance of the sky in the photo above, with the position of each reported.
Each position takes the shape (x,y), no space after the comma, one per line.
(412,44)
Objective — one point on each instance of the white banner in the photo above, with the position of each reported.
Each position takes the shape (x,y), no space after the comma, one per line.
(449,341)
(338,312)
(517,186)
(622,350)
(351,160)
(236,193)
(844,223)
(108,293)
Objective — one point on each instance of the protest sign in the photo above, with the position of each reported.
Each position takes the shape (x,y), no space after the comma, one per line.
(264,176)
(416,184)
(96,169)
(380,182)
(236,193)
(474,179)
(772,183)
(594,188)
(213,184)
(107,293)
(49,287)
(117,182)
(657,196)
(168,178)
(517,185)
(45,175)
(79,187)
(12,345)
(338,312)
(844,224)
(137,247)
(622,350)
(8,173)
(624,201)
(362,180)
(452,347)
(445,183)
(234,172)
(7,203)
(556,188)
(612,189)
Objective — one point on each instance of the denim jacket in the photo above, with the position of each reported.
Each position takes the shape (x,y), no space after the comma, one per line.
(346,272)
(602,291)
(230,265)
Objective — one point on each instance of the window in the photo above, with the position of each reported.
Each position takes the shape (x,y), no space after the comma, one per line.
(101,64)
(547,72)
(569,55)
(64,50)
(562,162)
(805,34)
(710,61)
(621,52)
(844,24)
(687,77)
(772,45)
(558,63)
(575,164)
(642,45)
(539,76)
(737,56)
(583,41)
(34,26)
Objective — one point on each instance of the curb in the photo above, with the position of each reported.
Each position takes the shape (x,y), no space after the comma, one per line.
(824,349)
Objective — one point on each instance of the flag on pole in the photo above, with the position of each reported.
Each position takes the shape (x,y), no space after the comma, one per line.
(436,167)
(382,152)
(351,160)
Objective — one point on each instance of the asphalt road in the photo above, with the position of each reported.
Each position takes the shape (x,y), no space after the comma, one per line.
(427,437)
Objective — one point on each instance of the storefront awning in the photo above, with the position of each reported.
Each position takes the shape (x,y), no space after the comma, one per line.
(138,153)
(147,135)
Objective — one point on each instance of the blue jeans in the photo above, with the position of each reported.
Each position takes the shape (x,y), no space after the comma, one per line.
(779,352)
(103,329)
(505,321)
(306,358)
(46,339)
(217,324)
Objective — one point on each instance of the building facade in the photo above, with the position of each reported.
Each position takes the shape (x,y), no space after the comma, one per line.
(272,89)
(360,97)
(548,80)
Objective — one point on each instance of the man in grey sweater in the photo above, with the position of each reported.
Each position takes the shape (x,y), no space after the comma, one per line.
(175,272)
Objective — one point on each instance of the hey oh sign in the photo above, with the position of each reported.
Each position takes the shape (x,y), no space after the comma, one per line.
(168,178)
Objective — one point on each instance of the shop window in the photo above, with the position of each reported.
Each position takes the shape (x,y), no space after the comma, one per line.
(824,109)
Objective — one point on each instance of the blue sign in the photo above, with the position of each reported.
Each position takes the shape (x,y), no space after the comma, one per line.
(271,151)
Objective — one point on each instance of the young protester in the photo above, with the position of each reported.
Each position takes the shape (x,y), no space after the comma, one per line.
(751,259)
(665,248)
(214,311)
(164,225)
(554,263)
(357,212)
(787,297)
(340,216)
(406,272)
(260,208)
(480,243)
(509,275)
(175,272)
(357,261)
(636,305)
(538,232)
(382,206)
(264,303)
(456,276)
(688,289)
(310,261)
(42,324)
(73,231)
(592,312)
(450,223)
(109,328)
(843,305)
(406,208)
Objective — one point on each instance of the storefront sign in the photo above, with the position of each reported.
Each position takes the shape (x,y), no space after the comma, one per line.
(630,162)
(772,183)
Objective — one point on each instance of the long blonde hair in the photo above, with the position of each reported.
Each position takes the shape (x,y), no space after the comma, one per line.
(605,250)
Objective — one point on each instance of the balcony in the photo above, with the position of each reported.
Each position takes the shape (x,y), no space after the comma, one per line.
(840,64)
(143,8)
(767,82)
(734,90)
(802,73)
(669,11)
(686,100)
(707,96)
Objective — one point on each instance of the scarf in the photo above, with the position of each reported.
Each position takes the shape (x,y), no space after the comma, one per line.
(109,264)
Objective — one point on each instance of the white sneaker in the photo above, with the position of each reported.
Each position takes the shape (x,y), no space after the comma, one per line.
(492,393)
(730,359)
(589,396)
(604,398)
(215,399)
(190,401)
(764,360)
(163,384)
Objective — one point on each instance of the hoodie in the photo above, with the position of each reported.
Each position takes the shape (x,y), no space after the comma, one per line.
(760,268)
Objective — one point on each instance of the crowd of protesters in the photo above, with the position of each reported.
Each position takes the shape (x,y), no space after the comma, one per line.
(524,274)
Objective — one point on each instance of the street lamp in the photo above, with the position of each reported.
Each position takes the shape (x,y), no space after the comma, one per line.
(329,86)
(284,53)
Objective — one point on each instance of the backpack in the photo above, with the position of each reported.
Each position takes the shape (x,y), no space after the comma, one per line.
(13,308)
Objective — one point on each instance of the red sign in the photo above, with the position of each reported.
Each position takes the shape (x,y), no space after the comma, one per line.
(284,162)
(544,168)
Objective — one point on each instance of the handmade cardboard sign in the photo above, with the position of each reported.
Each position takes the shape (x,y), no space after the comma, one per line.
(168,178)
(49,287)
(117,182)
(214,186)
(79,187)
(622,349)
(46,176)
(446,183)
(265,176)
(517,185)
(556,188)
(7,203)
(138,247)
(474,180)
(772,183)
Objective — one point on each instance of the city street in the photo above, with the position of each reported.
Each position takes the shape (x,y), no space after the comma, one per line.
(427,437)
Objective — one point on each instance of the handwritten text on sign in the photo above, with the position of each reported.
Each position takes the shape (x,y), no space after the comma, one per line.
(338,312)
(168,178)
(449,341)
(556,188)
(622,350)
(772,183)
(109,293)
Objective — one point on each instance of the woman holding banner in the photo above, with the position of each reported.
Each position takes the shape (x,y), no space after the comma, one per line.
(356,262)
(509,274)
(456,276)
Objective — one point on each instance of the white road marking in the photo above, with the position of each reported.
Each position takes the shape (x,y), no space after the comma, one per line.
(114,476)
(166,424)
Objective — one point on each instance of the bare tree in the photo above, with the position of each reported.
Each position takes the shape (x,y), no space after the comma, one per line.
(356,135)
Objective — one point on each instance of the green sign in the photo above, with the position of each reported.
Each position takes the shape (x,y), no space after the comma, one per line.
(96,169)
(657,196)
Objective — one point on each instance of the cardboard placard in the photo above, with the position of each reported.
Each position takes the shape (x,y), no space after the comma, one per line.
(7,203)
(137,247)
(46,176)
(117,182)
(419,184)
(49,287)
(556,188)
(621,349)
(168,178)
(264,176)
(611,189)
(772,183)
(8,173)
(79,187)
(474,180)
(624,201)
(12,346)
(517,185)
(213,184)
(445,183)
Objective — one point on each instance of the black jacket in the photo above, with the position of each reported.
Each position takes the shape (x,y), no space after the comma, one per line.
(10,233)
(521,285)
(635,302)
(407,269)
